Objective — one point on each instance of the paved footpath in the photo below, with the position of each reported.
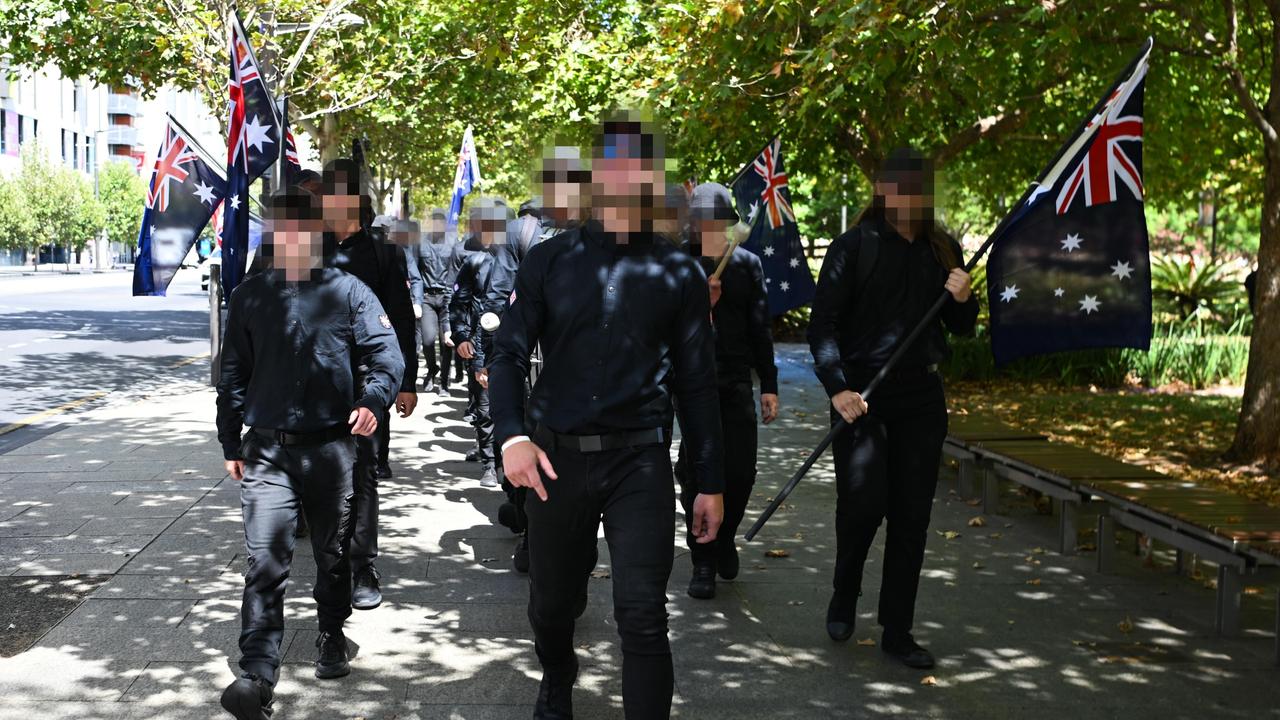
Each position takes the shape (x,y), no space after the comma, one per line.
(128,508)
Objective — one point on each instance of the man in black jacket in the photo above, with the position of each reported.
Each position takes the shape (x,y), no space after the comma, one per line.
(437,263)
(292,333)
(381,266)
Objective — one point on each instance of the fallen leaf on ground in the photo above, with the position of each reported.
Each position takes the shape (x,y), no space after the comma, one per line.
(1034,581)
(600,574)
(995,536)
(974,502)
(777,553)
(868,642)
(1126,625)
(978,521)
(929,680)
(951,534)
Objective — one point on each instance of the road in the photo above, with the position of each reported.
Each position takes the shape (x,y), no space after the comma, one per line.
(66,338)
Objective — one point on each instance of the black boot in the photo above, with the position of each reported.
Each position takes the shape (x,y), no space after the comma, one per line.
(703,583)
(248,698)
(509,517)
(520,560)
(727,559)
(473,455)
(366,591)
(841,616)
(383,471)
(332,662)
(902,646)
(555,694)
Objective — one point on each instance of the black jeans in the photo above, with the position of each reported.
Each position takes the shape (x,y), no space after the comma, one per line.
(364,539)
(887,468)
(481,420)
(738,418)
(631,490)
(430,332)
(278,482)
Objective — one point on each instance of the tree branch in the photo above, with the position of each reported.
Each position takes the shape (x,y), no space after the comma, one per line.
(1236,77)
(333,109)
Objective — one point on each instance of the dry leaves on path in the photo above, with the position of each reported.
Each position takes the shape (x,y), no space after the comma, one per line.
(777,553)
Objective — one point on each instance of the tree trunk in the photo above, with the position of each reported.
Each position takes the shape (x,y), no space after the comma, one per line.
(1258,432)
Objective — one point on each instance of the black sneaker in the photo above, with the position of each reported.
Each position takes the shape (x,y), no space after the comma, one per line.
(473,455)
(727,559)
(365,591)
(703,583)
(248,698)
(905,648)
(841,617)
(332,662)
(509,517)
(383,471)
(520,560)
(555,695)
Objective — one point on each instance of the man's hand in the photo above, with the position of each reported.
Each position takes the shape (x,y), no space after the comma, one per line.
(362,421)
(521,461)
(708,513)
(482,377)
(448,338)
(716,287)
(466,351)
(959,285)
(406,402)
(849,404)
(768,407)
(236,469)
(417,311)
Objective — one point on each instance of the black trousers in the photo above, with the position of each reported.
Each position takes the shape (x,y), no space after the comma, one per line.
(364,539)
(430,333)
(887,468)
(279,481)
(632,492)
(738,419)
(480,419)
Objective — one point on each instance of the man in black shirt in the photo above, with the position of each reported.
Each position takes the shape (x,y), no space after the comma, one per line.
(623,318)
(438,263)
(381,266)
(740,316)
(293,333)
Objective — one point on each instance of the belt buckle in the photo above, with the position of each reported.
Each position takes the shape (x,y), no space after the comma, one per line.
(590,443)
(279,436)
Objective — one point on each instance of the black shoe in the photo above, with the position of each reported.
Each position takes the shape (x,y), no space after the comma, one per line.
(248,698)
(520,560)
(841,617)
(727,560)
(365,591)
(383,471)
(302,530)
(555,695)
(905,648)
(509,517)
(473,455)
(703,583)
(332,662)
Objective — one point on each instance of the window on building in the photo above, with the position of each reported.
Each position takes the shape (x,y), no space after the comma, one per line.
(88,152)
(75,150)
(4,132)
(35,128)
(22,131)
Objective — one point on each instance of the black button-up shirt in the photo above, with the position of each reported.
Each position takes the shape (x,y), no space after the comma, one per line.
(382,267)
(741,315)
(624,329)
(853,331)
(289,352)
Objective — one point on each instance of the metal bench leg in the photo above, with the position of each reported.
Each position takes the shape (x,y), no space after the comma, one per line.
(1230,584)
(1179,562)
(1068,526)
(966,473)
(990,492)
(1106,543)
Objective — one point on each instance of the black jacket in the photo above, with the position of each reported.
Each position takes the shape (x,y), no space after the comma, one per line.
(741,321)
(853,331)
(289,355)
(484,285)
(382,267)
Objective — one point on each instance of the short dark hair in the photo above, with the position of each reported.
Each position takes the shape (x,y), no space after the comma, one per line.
(342,177)
(628,134)
(293,203)
(307,176)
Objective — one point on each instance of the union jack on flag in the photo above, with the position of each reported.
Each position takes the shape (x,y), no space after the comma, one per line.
(170,162)
(768,167)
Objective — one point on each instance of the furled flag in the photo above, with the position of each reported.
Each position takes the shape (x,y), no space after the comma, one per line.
(1070,269)
(183,192)
(253,139)
(761,189)
(466,177)
(291,165)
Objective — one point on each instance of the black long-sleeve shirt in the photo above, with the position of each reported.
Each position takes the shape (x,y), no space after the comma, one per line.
(741,316)
(383,269)
(852,337)
(289,352)
(624,329)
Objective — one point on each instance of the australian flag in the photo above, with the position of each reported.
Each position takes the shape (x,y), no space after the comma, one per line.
(291,166)
(253,145)
(466,177)
(1070,268)
(761,189)
(183,192)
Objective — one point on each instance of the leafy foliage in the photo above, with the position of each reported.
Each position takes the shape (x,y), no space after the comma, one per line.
(121,193)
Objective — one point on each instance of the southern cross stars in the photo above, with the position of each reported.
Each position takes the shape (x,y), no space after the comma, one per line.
(1071,242)
(768,251)
(256,133)
(1090,304)
(1058,292)
(205,193)
(1121,270)
(1010,293)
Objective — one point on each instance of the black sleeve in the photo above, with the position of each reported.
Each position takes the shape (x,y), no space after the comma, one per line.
(830,300)
(413,265)
(513,343)
(233,378)
(376,348)
(759,334)
(694,382)
(960,318)
(399,308)
(461,300)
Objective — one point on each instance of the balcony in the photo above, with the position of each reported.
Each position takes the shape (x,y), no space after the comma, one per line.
(122,104)
(122,135)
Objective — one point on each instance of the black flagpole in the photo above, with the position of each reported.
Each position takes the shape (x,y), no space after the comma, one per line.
(920,327)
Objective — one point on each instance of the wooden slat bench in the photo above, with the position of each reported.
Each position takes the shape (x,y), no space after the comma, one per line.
(965,429)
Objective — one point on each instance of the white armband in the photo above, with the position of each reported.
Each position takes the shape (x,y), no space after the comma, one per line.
(513,440)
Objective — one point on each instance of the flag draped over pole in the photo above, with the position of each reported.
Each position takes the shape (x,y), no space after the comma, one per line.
(181,197)
(291,165)
(761,187)
(465,178)
(253,146)
(1071,268)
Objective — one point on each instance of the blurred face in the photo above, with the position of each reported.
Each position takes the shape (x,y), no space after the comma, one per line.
(436,226)
(564,193)
(489,232)
(625,192)
(905,201)
(341,211)
(713,235)
(296,246)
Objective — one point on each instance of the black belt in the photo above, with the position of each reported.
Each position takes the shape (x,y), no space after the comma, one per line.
(599,443)
(281,437)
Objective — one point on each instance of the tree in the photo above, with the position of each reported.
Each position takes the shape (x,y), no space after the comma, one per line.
(122,194)
(59,201)
(16,225)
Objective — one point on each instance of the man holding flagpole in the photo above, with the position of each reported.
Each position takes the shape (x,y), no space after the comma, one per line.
(465,178)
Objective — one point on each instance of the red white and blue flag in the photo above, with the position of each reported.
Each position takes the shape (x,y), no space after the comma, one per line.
(761,187)
(253,146)
(1070,268)
(465,178)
